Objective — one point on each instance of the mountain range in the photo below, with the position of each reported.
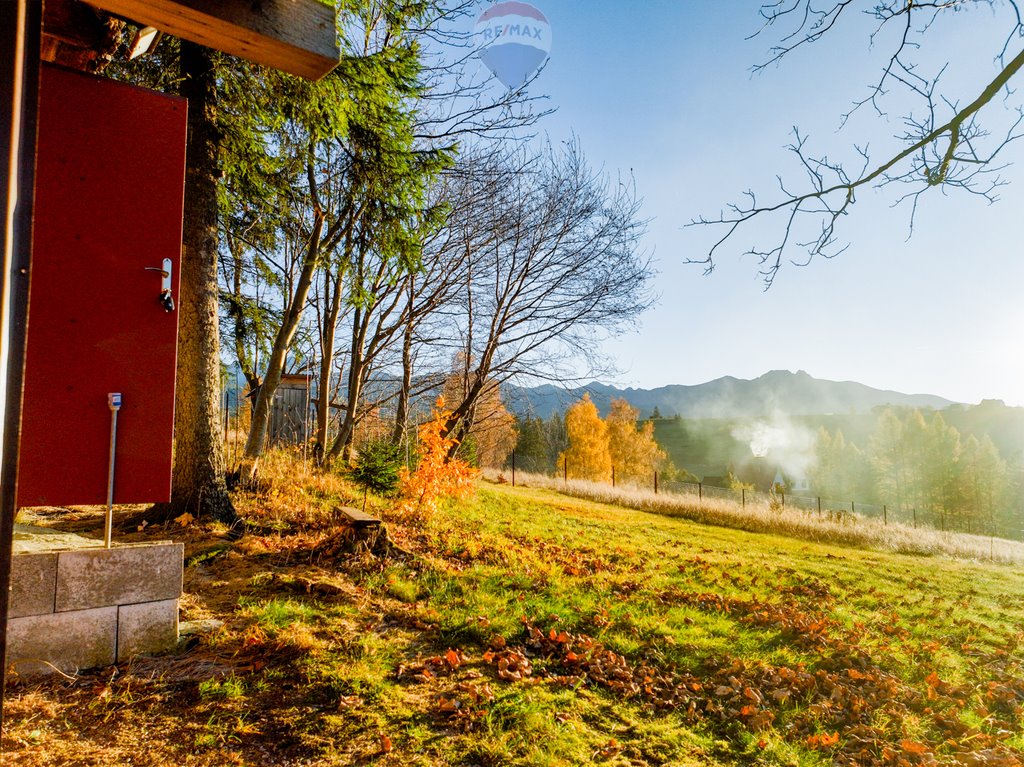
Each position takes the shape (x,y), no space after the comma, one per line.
(776,391)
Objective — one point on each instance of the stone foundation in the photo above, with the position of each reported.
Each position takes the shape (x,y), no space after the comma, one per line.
(82,606)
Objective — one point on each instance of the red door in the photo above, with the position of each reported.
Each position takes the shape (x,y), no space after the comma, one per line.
(108,210)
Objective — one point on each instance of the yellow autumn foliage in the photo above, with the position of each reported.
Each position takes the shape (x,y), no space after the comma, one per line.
(588,456)
(597,445)
(635,455)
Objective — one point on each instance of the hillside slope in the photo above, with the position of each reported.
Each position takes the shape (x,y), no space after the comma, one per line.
(779,390)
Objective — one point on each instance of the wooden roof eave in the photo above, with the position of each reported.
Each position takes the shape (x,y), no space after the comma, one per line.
(294,36)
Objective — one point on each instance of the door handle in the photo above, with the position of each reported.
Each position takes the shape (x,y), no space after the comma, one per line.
(166,296)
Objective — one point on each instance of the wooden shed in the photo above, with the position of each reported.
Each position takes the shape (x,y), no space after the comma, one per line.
(290,414)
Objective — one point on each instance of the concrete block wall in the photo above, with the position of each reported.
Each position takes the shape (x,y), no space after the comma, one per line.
(92,607)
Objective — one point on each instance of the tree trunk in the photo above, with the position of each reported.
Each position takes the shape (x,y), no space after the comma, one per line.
(328,334)
(236,312)
(285,334)
(356,378)
(198,486)
(405,393)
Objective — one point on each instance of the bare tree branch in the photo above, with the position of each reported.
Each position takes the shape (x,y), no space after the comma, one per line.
(946,147)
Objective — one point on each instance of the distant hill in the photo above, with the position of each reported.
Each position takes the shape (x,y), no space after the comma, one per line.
(779,390)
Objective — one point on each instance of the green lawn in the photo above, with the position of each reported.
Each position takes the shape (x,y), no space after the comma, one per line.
(534,629)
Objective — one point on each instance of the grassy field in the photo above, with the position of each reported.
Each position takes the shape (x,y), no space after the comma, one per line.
(524,627)
(842,528)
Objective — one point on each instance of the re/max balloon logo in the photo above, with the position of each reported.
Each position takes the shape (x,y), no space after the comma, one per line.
(514,40)
(512,30)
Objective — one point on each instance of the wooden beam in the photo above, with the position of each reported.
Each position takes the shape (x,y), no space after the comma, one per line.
(78,36)
(20,32)
(295,36)
(356,518)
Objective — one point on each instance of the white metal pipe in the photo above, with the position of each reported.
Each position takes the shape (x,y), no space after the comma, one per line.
(114,402)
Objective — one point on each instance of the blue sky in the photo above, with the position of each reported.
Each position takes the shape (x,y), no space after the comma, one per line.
(664,90)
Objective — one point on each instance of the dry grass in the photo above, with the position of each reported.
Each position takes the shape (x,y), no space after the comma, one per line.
(290,491)
(845,529)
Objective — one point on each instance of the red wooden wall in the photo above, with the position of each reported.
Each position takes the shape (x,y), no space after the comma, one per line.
(108,204)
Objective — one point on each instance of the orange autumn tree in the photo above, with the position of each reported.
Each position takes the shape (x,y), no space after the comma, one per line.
(491,431)
(436,475)
(635,455)
(588,456)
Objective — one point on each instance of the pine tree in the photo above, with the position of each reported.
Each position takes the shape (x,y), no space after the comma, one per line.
(940,469)
(532,445)
(889,459)
(917,457)
(982,481)
(556,437)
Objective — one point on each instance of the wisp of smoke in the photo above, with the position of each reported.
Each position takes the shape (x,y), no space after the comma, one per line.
(780,441)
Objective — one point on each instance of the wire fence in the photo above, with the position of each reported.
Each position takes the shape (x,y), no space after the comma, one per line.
(846,511)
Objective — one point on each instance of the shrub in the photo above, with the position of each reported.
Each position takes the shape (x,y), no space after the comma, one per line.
(437,475)
(378,466)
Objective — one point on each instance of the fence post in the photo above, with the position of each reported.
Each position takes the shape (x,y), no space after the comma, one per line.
(565,470)
(655,481)
(915,519)
(613,476)
(783,494)
(819,505)
(885,514)
(853,507)
(513,467)
(700,491)
(743,497)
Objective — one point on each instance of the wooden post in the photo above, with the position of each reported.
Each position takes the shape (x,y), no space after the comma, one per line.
(885,514)
(991,536)
(853,507)
(700,491)
(613,476)
(513,467)
(565,470)
(783,494)
(915,519)
(655,482)
(743,497)
(819,505)
(20,28)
